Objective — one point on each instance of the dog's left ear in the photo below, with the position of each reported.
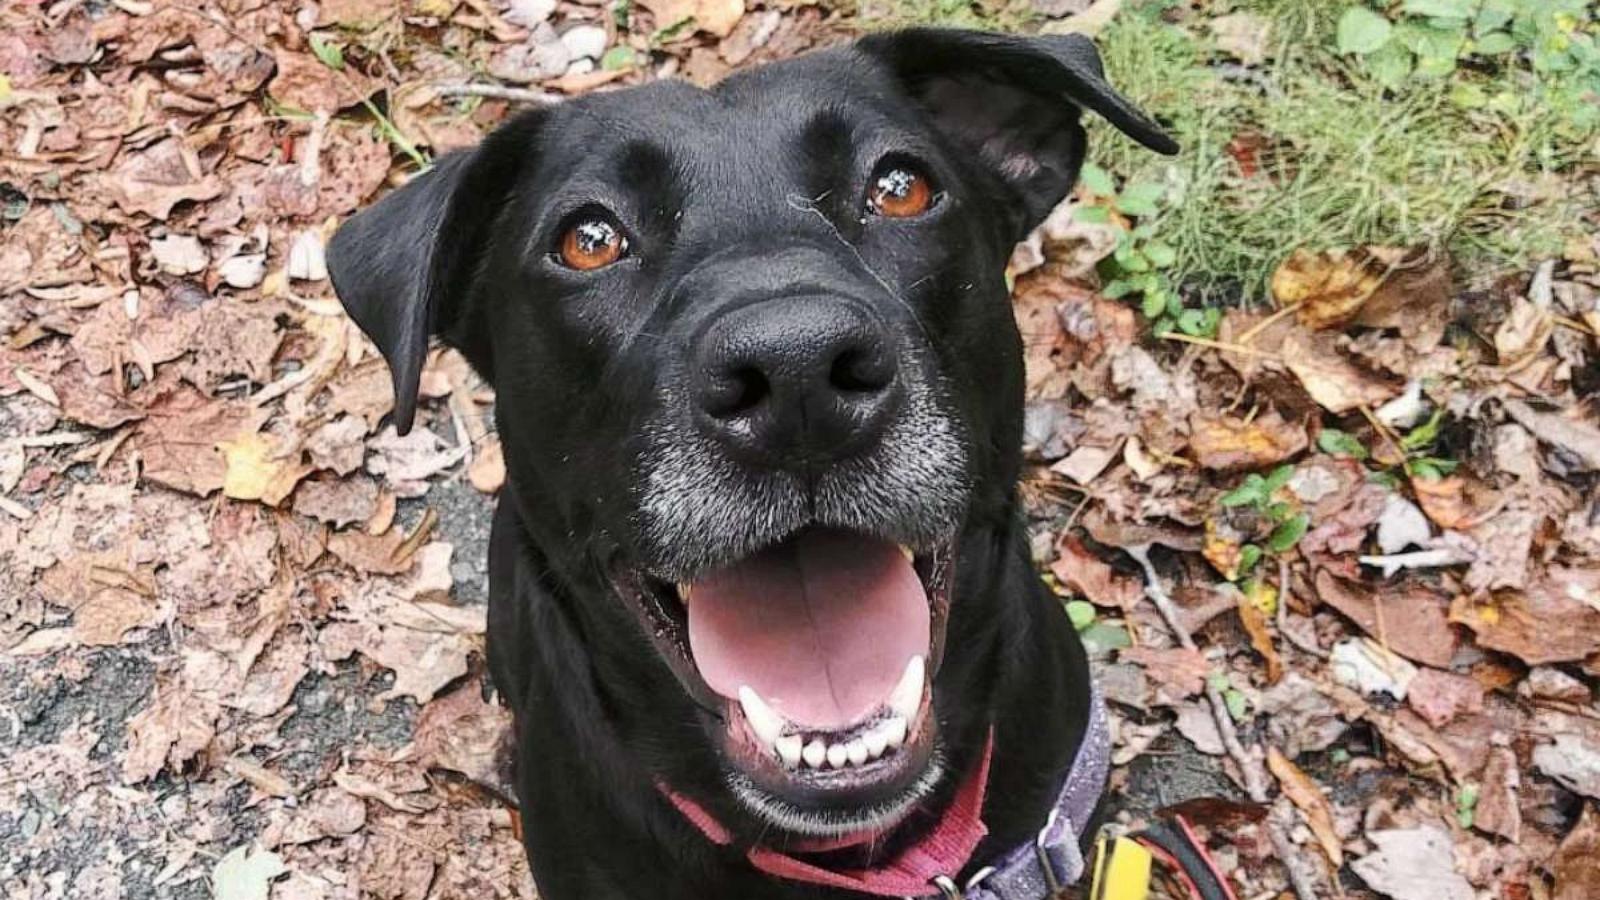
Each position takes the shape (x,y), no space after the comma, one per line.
(1014,101)
(403,267)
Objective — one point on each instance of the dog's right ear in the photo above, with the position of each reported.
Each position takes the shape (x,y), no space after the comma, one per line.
(403,267)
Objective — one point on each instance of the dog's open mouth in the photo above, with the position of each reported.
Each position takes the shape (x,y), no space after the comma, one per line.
(815,657)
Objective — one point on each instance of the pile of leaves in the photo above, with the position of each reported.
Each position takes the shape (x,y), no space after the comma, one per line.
(241,620)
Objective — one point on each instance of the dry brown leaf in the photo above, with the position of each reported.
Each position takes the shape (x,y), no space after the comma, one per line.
(154,180)
(1337,384)
(716,17)
(1255,625)
(464,734)
(258,468)
(1416,620)
(1230,444)
(1078,569)
(1177,673)
(488,469)
(1521,338)
(1439,696)
(1329,287)
(1454,502)
(1556,619)
(1499,809)
(1577,876)
(337,501)
(1308,798)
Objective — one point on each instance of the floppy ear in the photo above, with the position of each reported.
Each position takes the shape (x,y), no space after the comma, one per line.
(403,267)
(1014,101)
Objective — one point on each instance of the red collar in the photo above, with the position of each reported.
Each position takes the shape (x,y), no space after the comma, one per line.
(943,851)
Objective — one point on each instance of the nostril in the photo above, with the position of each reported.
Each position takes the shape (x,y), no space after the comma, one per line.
(736,392)
(860,371)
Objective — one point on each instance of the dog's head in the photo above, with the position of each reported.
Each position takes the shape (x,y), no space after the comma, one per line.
(757,378)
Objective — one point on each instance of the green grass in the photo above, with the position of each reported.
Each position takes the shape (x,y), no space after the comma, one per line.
(1350,160)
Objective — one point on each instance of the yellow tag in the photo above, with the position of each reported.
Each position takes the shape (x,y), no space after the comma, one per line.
(5,90)
(1121,870)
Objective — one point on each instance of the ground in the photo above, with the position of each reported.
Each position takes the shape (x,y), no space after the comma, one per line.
(1313,438)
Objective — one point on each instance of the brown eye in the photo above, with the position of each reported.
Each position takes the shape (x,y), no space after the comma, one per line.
(900,193)
(591,244)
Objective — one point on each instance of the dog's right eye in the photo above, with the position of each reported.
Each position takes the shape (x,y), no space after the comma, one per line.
(591,243)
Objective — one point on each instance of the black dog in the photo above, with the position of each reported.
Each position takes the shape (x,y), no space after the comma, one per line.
(761,598)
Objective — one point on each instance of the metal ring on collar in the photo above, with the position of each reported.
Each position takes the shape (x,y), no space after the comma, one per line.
(977,878)
(947,888)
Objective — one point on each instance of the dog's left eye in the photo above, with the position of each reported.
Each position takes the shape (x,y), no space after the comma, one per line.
(900,192)
(591,243)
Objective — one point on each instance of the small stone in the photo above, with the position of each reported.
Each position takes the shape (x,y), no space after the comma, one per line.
(585,41)
(307,261)
(179,254)
(543,55)
(243,271)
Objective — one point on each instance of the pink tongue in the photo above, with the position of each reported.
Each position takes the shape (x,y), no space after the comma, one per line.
(821,626)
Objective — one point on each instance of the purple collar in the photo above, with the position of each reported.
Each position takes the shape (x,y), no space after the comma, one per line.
(1039,869)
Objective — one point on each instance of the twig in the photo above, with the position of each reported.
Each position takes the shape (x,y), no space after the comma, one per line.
(1278,822)
(1250,334)
(1255,783)
(1219,345)
(1418,559)
(497,92)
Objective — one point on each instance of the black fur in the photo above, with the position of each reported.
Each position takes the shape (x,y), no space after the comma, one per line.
(750,188)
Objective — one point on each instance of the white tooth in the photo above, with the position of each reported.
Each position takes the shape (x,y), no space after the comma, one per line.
(906,698)
(838,756)
(684,588)
(767,724)
(789,750)
(856,751)
(907,553)
(895,732)
(877,741)
(815,754)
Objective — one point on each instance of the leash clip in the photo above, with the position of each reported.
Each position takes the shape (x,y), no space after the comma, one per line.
(1045,865)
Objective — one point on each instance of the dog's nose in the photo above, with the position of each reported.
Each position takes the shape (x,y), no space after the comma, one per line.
(796,381)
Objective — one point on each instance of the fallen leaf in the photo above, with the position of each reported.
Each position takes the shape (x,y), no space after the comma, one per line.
(154,180)
(716,17)
(488,469)
(1364,666)
(1078,569)
(257,469)
(1402,525)
(1577,438)
(406,463)
(1573,761)
(1195,722)
(464,734)
(337,501)
(1556,619)
(1499,810)
(1255,625)
(1176,672)
(1410,863)
(1416,620)
(1439,696)
(1521,338)
(1308,798)
(1333,381)
(1330,288)
(1243,36)
(1229,444)
(1454,502)
(243,875)
(1577,876)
